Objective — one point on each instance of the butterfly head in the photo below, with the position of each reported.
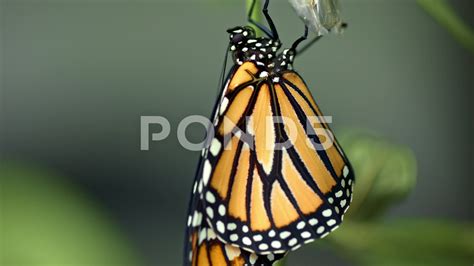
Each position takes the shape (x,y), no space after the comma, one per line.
(240,34)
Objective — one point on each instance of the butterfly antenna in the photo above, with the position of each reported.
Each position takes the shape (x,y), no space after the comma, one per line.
(223,71)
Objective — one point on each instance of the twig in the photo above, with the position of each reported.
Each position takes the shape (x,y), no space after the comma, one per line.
(256,13)
(444,14)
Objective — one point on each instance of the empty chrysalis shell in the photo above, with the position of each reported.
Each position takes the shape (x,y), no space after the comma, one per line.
(321,16)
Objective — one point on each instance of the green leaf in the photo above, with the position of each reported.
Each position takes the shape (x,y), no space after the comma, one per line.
(385,173)
(406,242)
(47,221)
(256,13)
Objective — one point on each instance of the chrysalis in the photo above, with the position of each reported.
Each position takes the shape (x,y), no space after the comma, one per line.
(321,16)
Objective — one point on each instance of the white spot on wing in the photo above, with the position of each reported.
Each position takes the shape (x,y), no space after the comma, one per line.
(284,234)
(320,229)
(343,203)
(206,172)
(306,234)
(210,212)
(220,227)
(200,186)
(221,210)
(327,213)
(246,241)
(276,244)
(301,225)
(210,234)
(231,226)
(232,252)
(215,147)
(234,237)
(253,258)
(210,197)
(272,233)
(223,106)
(296,247)
(292,242)
(197,218)
(345,171)
(202,236)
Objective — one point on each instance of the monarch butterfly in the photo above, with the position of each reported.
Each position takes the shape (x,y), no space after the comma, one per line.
(260,190)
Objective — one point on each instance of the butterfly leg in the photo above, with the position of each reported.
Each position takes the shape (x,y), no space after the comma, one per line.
(314,40)
(309,44)
(269,20)
(300,39)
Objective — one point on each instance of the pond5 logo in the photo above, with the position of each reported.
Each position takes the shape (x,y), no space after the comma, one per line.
(315,135)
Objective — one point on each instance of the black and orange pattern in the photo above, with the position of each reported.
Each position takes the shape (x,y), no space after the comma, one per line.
(265,199)
(273,177)
(204,248)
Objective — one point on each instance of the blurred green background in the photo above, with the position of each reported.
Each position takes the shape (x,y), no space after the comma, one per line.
(76,75)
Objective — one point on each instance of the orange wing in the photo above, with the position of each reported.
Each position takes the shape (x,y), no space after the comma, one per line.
(271,187)
(202,246)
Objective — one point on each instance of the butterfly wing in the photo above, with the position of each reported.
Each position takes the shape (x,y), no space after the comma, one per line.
(262,198)
(332,160)
(202,247)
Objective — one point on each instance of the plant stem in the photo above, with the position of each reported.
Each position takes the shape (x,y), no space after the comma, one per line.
(256,13)
(444,14)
